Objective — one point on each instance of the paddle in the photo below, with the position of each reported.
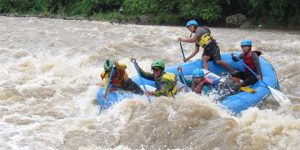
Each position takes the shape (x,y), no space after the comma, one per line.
(247,89)
(109,79)
(137,70)
(278,96)
(182,76)
(107,87)
(180,72)
(182,52)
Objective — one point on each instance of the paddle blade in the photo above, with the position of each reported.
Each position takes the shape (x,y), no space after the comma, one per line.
(281,98)
(247,89)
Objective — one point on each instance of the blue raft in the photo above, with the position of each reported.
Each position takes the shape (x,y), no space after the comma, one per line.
(235,103)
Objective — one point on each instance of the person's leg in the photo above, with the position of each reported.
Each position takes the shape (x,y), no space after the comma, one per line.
(216,56)
(249,79)
(233,84)
(205,61)
(224,65)
(238,74)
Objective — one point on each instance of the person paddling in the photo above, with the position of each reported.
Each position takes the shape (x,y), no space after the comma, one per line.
(200,84)
(251,59)
(204,39)
(119,78)
(165,82)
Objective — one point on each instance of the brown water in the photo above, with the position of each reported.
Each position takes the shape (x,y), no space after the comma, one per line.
(50,75)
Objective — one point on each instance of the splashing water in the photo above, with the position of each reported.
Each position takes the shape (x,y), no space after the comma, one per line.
(50,76)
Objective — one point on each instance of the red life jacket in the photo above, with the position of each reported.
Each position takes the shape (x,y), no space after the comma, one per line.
(248,61)
(198,88)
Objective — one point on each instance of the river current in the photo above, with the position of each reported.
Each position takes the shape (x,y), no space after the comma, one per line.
(50,74)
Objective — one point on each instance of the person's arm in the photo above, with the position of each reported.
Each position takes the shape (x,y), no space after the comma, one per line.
(255,59)
(193,54)
(188,82)
(234,58)
(146,75)
(205,89)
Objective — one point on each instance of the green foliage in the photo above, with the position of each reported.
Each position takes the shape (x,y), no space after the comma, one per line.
(205,9)
(79,7)
(5,6)
(140,7)
(106,6)
(274,12)
(113,16)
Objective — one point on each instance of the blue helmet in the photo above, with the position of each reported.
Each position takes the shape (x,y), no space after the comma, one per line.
(246,42)
(192,23)
(198,73)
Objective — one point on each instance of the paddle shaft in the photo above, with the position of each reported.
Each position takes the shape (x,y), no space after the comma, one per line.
(107,86)
(109,79)
(182,52)
(137,70)
(182,76)
(280,99)
(253,72)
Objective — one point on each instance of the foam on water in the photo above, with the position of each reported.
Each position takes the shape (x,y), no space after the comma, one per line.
(50,74)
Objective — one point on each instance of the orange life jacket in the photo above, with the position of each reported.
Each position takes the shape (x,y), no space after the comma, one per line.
(117,79)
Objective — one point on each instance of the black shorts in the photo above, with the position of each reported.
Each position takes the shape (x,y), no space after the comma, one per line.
(247,77)
(212,50)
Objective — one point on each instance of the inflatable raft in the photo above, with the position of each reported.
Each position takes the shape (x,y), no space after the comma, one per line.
(235,103)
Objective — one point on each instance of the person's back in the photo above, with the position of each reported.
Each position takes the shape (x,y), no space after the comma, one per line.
(119,77)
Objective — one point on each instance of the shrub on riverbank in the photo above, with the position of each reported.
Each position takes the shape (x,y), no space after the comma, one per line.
(170,12)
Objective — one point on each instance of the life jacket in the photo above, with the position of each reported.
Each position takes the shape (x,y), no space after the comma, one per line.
(206,38)
(198,88)
(247,59)
(170,77)
(118,79)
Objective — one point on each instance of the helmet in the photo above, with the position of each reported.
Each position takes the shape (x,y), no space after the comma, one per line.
(108,64)
(192,23)
(198,73)
(246,42)
(158,63)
